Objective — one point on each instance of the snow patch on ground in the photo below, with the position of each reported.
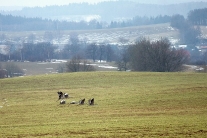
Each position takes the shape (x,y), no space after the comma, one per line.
(107,67)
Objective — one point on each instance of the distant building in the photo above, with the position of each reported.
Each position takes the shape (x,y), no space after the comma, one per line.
(3,49)
(182,46)
(202,49)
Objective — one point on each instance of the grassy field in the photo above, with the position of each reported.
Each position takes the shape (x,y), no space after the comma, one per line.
(127,104)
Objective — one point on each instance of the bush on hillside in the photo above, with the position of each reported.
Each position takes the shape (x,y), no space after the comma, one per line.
(156,56)
(76,64)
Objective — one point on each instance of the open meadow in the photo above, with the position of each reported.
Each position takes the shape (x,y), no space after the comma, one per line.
(127,104)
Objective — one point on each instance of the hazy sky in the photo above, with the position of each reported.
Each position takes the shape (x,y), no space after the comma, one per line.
(33,3)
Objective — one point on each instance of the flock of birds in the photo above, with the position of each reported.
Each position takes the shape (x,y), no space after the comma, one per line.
(62,96)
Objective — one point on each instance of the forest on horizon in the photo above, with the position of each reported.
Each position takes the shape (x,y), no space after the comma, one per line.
(106,11)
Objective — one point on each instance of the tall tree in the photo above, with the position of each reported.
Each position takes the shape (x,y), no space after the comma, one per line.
(77,64)
(178,21)
(189,34)
(109,53)
(37,52)
(156,56)
(13,70)
(91,51)
(101,52)
(124,60)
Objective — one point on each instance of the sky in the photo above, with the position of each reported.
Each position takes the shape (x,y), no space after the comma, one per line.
(33,3)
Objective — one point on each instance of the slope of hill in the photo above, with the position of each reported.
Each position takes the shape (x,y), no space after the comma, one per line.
(112,36)
(127,104)
(132,34)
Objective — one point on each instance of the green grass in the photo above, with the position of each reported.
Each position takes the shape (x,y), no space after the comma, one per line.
(127,104)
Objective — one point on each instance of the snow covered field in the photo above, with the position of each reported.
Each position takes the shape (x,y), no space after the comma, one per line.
(122,36)
(119,36)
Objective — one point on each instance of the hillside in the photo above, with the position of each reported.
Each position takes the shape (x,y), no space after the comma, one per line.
(113,36)
(127,104)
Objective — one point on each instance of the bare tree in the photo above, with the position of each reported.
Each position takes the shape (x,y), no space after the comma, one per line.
(101,52)
(77,64)
(19,50)
(122,63)
(205,60)
(8,49)
(138,55)
(156,56)
(91,51)
(205,57)
(175,60)
(188,33)
(73,47)
(74,64)
(13,70)
(109,53)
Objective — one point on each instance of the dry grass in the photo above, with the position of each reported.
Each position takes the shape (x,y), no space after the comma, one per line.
(127,104)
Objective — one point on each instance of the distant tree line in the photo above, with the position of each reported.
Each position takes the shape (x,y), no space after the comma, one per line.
(75,52)
(17,23)
(108,10)
(93,51)
(144,55)
(138,21)
(198,16)
(45,51)
(189,33)
(189,28)
(30,50)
